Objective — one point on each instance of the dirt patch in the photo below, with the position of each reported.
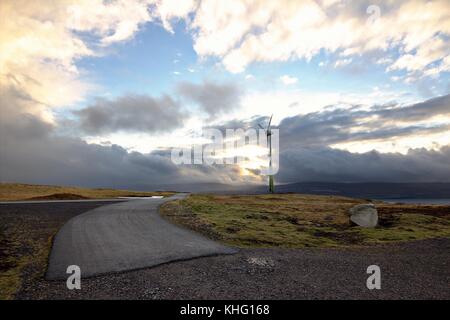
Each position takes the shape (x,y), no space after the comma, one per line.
(256,216)
(258,242)
(5,263)
(433,210)
(292,220)
(341,237)
(233,229)
(275,199)
(389,220)
(60,196)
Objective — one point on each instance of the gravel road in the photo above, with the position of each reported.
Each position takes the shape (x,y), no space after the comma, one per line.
(417,270)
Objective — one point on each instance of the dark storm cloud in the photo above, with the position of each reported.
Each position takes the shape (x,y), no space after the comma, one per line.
(419,111)
(52,159)
(306,155)
(131,113)
(305,139)
(32,151)
(211,97)
(353,123)
(339,125)
(332,165)
(63,160)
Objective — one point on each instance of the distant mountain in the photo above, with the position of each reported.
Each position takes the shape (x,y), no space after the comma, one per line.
(198,187)
(204,187)
(376,190)
(371,190)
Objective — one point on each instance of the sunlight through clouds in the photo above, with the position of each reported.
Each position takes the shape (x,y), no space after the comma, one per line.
(130,79)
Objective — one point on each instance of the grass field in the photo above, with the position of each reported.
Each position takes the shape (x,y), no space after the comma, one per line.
(18,191)
(296,221)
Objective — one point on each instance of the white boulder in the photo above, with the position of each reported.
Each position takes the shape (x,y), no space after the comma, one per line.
(364,215)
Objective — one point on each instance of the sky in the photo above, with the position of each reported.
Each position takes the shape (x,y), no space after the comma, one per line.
(97,93)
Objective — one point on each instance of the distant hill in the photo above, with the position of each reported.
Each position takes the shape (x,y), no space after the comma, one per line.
(375,190)
(203,188)
(22,191)
(370,190)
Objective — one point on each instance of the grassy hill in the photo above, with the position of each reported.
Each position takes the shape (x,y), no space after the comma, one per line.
(19,191)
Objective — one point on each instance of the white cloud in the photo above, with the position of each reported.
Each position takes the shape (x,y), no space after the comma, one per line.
(385,61)
(287,103)
(112,21)
(167,10)
(246,31)
(41,43)
(288,80)
(43,62)
(342,62)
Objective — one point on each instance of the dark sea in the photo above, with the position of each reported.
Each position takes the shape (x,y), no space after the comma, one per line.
(419,201)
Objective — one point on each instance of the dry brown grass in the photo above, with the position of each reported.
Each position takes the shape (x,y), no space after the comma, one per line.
(19,191)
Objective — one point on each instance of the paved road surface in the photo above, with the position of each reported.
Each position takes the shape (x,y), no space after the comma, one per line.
(124,236)
(63,201)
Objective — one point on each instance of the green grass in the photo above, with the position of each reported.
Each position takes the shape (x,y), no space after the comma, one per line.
(296,221)
(410,227)
(19,191)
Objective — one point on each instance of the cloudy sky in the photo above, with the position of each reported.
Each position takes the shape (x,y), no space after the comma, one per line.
(96,93)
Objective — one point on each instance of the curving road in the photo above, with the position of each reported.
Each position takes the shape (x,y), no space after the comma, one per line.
(124,236)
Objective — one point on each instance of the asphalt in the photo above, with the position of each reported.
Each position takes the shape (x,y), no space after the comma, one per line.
(125,236)
(64,201)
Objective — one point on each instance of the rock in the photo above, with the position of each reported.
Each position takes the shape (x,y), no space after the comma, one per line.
(364,215)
